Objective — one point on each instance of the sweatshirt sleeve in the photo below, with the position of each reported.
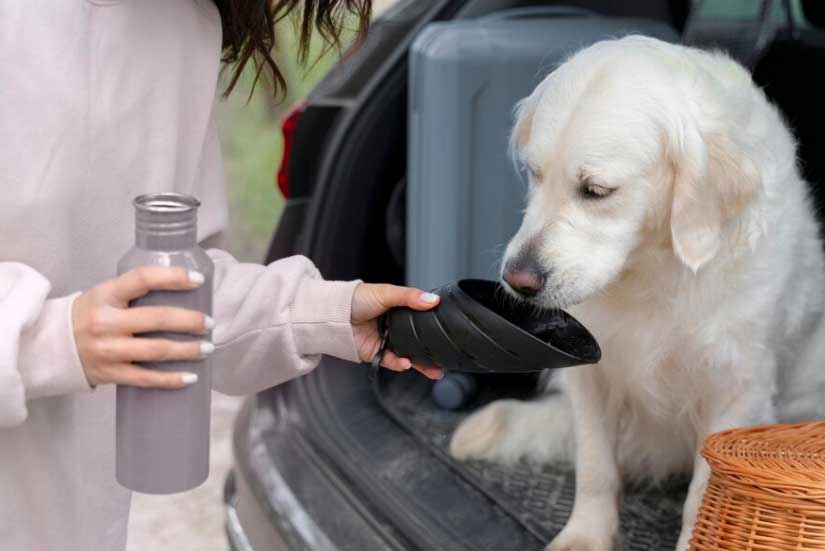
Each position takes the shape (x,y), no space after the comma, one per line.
(274,322)
(38,356)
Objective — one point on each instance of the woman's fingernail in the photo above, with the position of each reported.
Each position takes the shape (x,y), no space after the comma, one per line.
(207,348)
(196,277)
(407,364)
(429,298)
(189,378)
(208,323)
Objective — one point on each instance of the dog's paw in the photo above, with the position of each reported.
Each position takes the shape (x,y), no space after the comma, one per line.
(581,540)
(509,430)
(480,436)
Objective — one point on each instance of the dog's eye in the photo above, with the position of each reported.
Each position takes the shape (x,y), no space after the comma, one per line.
(590,190)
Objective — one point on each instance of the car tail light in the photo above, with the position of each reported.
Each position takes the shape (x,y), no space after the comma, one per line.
(288,130)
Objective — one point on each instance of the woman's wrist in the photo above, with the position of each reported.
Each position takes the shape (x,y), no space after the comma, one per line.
(48,359)
(321,318)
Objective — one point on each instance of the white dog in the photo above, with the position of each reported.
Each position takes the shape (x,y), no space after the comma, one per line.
(667,211)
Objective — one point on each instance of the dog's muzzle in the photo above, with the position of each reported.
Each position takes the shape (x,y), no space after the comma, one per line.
(525,276)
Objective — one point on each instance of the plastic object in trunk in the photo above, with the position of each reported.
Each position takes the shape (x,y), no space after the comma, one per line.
(477,327)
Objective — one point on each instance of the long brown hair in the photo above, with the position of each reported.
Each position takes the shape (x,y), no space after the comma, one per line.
(249,31)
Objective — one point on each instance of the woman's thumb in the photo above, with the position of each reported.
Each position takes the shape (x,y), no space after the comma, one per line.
(407,296)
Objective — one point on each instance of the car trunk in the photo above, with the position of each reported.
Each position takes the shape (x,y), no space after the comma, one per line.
(380,441)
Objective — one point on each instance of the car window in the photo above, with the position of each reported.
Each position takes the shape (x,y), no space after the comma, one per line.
(730,9)
(722,11)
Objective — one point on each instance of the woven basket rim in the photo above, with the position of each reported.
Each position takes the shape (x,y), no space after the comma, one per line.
(781,455)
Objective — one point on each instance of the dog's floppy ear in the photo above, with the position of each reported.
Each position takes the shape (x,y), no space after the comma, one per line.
(523,122)
(713,181)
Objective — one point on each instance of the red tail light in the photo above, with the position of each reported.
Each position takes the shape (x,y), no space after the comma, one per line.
(288,130)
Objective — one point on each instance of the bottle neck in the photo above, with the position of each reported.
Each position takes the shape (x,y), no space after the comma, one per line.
(153,241)
(166,222)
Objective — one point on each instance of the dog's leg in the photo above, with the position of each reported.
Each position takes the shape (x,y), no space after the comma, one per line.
(594,522)
(508,430)
(753,406)
(698,483)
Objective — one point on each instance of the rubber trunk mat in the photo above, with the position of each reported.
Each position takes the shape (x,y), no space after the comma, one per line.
(540,498)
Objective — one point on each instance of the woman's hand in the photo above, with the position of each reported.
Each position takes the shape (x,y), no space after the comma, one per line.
(104,329)
(368,303)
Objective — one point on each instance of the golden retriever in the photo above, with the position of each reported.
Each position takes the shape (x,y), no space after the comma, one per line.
(667,212)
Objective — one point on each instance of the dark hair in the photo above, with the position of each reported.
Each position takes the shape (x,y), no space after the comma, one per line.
(249,30)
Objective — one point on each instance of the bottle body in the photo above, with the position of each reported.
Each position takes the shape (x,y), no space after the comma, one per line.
(162,438)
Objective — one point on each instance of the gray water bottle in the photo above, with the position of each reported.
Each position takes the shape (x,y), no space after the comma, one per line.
(163,435)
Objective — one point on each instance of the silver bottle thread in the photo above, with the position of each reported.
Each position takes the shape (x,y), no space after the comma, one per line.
(166,221)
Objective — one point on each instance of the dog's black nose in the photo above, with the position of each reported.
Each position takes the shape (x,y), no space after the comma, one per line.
(526,279)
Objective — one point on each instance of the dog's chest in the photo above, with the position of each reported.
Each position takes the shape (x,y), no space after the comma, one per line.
(649,364)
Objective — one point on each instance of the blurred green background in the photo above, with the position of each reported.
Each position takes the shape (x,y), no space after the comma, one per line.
(250,133)
(252,143)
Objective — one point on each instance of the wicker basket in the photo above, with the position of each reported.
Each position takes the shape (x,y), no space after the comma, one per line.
(766,490)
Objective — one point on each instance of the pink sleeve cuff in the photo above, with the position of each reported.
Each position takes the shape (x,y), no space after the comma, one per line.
(321,319)
(48,360)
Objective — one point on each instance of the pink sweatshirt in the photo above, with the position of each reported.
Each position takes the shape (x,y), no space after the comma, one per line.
(101,101)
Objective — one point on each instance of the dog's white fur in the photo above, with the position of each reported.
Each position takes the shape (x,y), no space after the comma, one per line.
(701,275)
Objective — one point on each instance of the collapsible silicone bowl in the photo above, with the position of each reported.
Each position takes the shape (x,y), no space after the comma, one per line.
(478,328)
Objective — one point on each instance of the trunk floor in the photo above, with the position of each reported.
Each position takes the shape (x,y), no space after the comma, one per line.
(540,498)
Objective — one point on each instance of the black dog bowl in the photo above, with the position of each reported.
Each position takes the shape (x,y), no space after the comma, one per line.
(477,327)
